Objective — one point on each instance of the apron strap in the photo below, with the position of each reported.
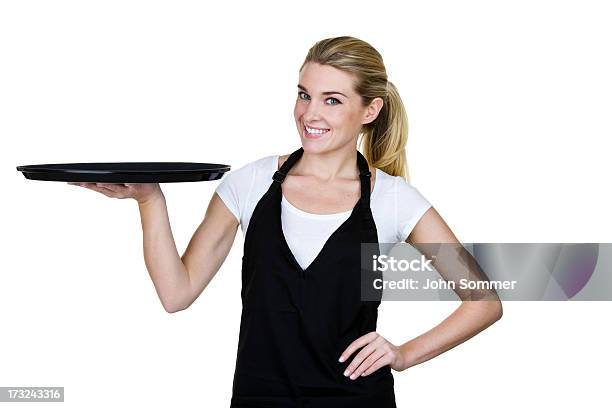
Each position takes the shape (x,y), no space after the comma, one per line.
(368,228)
(365,176)
(279,175)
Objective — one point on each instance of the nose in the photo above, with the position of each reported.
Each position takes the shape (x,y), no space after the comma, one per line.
(312,113)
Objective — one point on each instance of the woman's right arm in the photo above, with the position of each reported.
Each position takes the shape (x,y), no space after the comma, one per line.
(178,280)
(207,249)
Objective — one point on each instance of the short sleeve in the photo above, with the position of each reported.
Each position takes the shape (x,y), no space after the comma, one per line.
(235,187)
(410,207)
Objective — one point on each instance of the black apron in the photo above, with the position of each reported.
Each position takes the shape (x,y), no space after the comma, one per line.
(296,322)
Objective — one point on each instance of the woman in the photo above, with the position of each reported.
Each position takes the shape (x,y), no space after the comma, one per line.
(306,338)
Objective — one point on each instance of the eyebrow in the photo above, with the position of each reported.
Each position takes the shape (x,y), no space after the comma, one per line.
(324,93)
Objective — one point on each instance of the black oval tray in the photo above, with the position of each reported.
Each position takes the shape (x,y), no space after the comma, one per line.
(125,172)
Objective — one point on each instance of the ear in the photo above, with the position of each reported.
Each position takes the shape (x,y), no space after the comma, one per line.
(371,112)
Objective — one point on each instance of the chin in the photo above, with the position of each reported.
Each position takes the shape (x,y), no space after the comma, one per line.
(313,146)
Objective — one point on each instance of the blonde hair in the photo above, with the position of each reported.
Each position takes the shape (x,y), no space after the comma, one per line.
(383,140)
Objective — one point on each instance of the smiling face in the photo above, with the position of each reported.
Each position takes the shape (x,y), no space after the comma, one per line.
(328,113)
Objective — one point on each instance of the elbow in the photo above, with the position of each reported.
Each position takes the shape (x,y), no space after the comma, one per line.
(170,309)
(497,310)
(490,311)
(493,307)
(175,300)
(173,307)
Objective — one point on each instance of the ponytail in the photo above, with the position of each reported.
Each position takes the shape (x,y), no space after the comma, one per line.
(384,140)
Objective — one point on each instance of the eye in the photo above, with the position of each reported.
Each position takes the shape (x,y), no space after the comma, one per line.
(300,93)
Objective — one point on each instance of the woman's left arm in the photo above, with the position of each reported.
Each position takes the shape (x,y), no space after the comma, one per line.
(470,318)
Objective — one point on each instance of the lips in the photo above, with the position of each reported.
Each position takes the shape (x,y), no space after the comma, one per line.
(309,135)
(314,127)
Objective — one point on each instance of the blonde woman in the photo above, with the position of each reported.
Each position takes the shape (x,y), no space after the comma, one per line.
(306,337)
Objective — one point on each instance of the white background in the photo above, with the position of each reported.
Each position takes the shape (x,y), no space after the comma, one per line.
(509,110)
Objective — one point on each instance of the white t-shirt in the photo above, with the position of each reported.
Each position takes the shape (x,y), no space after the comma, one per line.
(396,207)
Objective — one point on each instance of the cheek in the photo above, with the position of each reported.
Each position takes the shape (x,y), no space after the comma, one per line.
(340,121)
(298,110)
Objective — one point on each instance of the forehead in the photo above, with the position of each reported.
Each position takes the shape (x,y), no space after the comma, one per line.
(321,78)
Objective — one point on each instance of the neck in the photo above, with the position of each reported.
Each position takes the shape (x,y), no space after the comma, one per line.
(341,163)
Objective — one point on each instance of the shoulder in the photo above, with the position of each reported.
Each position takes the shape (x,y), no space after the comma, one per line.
(239,185)
(383,182)
(258,166)
(397,186)
(263,162)
(400,205)
(248,174)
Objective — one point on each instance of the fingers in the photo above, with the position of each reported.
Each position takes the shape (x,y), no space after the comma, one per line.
(376,353)
(366,357)
(111,192)
(108,189)
(119,189)
(358,343)
(99,189)
(364,354)
(382,361)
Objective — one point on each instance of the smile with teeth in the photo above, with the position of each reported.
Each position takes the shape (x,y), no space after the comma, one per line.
(315,131)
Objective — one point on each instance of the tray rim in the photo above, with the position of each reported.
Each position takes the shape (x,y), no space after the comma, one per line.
(28,168)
